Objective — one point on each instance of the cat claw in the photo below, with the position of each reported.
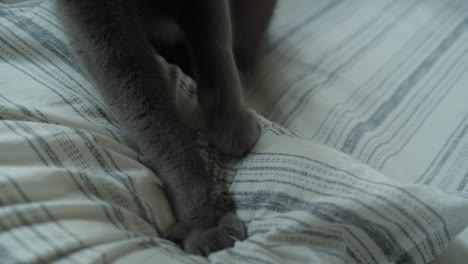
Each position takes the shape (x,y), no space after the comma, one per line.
(234,134)
(206,240)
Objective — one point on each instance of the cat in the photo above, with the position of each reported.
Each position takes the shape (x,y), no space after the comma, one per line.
(116,40)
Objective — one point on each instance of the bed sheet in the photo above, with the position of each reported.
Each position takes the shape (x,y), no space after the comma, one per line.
(75,188)
(383,81)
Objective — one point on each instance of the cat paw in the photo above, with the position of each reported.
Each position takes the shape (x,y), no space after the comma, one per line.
(206,240)
(234,134)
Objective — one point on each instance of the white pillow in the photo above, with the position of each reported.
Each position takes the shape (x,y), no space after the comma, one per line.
(75,189)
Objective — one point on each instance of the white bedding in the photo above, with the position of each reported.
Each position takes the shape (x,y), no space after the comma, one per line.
(380,80)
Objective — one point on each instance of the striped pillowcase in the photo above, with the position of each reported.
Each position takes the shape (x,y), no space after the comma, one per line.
(74,188)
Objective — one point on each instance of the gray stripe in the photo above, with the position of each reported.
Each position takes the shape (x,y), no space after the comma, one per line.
(24,110)
(46,15)
(27,246)
(57,47)
(403,57)
(70,104)
(401,227)
(281,203)
(6,257)
(80,244)
(410,108)
(48,40)
(358,240)
(30,143)
(392,187)
(445,151)
(53,76)
(463,183)
(358,132)
(56,162)
(124,179)
(26,224)
(310,19)
(349,62)
(309,70)
(247,259)
(421,121)
(34,61)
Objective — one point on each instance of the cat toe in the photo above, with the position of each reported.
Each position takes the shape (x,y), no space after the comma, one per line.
(178,233)
(234,134)
(206,241)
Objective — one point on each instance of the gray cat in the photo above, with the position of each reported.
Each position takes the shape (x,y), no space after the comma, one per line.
(115,41)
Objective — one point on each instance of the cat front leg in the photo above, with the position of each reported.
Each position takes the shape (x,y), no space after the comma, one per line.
(250,22)
(109,41)
(207,26)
